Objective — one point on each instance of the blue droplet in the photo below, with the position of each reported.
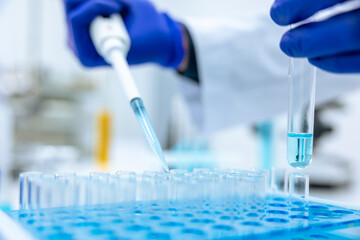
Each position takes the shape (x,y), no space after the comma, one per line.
(280,199)
(298,203)
(31,221)
(318,207)
(117,221)
(59,236)
(299,217)
(319,236)
(277,205)
(343,212)
(277,212)
(101,232)
(207,221)
(298,209)
(193,231)
(252,215)
(138,228)
(172,224)
(41,228)
(225,218)
(251,223)
(158,236)
(277,220)
(223,227)
(87,224)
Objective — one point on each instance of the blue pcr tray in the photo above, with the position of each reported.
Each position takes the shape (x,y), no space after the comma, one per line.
(189,221)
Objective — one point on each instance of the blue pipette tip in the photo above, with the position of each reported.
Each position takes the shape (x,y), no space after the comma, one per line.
(144,121)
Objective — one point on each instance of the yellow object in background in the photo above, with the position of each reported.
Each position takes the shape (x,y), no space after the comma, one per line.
(103,124)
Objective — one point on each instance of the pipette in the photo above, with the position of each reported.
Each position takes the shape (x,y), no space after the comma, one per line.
(302,84)
(112,42)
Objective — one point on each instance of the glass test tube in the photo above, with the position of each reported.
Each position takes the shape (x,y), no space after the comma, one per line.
(298,189)
(66,184)
(177,185)
(81,190)
(48,192)
(128,186)
(98,190)
(0,182)
(148,186)
(278,181)
(256,187)
(25,191)
(302,84)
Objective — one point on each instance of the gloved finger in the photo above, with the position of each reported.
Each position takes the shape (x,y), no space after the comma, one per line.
(80,20)
(89,10)
(342,63)
(72,4)
(285,12)
(333,36)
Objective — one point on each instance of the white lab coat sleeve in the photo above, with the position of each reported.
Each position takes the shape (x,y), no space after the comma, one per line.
(244,74)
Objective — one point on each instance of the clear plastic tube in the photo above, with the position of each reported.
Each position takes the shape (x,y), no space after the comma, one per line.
(256,184)
(0,182)
(66,188)
(302,84)
(278,180)
(25,193)
(128,188)
(98,188)
(48,194)
(81,190)
(204,189)
(298,189)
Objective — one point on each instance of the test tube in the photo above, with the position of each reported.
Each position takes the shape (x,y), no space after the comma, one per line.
(298,189)
(257,184)
(302,84)
(66,184)
(25,192)
(278,181)
(81,190)
(177,185)
(148,187)
(234,194)
(48,194)
(0,182)
(98,190)
(127,186)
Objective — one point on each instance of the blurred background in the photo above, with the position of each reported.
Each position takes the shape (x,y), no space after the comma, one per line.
(53,112)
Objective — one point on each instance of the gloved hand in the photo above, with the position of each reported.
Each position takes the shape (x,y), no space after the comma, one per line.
(332,44)
(155,36)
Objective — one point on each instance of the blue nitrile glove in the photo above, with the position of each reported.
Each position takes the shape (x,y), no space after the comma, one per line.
(332,44)
(155,37)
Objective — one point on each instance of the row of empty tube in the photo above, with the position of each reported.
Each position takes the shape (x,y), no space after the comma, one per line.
(201,187)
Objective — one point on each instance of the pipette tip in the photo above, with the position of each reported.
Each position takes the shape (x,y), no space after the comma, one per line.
(144,121)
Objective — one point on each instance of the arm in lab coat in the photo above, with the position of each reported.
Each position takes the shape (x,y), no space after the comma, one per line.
(243,74)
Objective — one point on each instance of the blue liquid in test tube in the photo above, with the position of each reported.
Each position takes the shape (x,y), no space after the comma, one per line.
(299,152)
